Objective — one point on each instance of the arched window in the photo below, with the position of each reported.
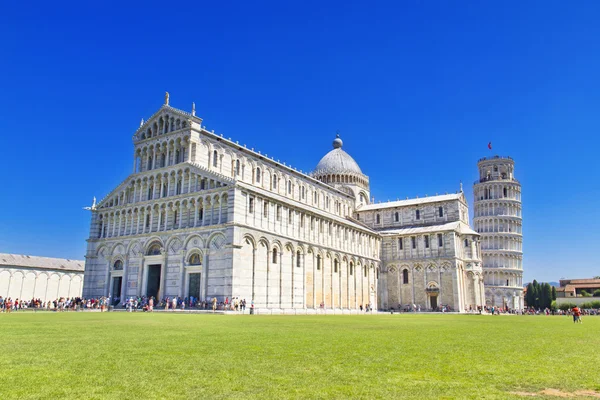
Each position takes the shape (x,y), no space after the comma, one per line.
(164,191)
(154,250)
(237,167)
(149,162)
(397,217)
(163,160)
(176,156)
(466,242)
(319,262)
(275,256)
(274,182)
(505,193)
(195,259)
(365,271)
(289,187)
(405,276)
(118,265)
(257,175)
(303,192)
(335,266)
(215,159)
(351,269)
(179,187)
(150,190)
(298,259)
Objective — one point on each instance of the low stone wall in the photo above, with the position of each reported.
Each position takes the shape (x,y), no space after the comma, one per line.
(575,300)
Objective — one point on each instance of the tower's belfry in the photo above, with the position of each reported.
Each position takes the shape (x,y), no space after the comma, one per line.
(497,217)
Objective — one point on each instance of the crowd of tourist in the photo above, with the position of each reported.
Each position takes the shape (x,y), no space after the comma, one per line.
(144,303)
(141,303)
(60,304)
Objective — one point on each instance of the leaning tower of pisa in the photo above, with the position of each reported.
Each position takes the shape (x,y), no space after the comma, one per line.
(497,217)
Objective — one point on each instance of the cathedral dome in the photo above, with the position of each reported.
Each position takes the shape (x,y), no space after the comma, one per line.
(337,161)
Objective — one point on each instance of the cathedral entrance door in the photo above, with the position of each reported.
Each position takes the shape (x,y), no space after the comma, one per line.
(116,290)
(153,281)
(433,301)
(194,286)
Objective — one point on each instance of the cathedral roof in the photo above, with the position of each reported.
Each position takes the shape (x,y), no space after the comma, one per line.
(337,161)
(411,202)
(456,226)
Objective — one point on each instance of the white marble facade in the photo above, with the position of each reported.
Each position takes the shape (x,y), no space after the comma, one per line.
(204,216)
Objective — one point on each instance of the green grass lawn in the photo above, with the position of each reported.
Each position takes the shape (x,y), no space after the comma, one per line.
(167,356)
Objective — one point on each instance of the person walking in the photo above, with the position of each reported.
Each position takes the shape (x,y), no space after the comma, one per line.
(577,315)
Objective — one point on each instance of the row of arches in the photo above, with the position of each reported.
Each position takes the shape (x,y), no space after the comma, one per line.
(503,278)
(170,183)
(43,285)
(162,216)
(501,242)
(236,164)
(509,298)
(157,245)
(164,124)
(494,191)
(502,260)
(285,275)
(498,225)
(127,265)
(497,209)
(312,227)
(432,285)
(163,154)
(347,178)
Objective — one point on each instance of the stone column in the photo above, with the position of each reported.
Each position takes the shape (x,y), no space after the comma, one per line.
(180,215)
(205,268)
(124,280)
(163,276)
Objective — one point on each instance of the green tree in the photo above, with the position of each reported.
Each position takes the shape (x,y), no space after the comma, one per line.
(536,294)
(546,295)
(597,293)
(584,293)
(529,296)
(553,293)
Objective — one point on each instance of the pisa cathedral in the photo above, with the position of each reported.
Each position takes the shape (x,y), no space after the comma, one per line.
(204,216)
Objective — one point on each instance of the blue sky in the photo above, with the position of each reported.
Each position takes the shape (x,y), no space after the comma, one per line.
(417,90)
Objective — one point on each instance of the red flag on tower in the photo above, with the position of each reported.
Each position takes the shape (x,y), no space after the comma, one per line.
(490,145)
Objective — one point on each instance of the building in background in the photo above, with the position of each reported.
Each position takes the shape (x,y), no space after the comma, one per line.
(498,219)
(32,277)
(578,291)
